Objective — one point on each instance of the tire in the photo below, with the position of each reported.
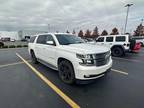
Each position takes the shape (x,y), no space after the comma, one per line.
(33,57)
(142,44)
(66,72)
(117,52)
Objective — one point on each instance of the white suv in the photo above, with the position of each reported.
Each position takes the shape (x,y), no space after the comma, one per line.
(119,44)
(71,56)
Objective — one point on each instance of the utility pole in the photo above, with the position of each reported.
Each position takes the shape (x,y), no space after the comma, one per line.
(128,6)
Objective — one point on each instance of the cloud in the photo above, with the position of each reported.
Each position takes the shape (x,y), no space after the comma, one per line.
(66,14)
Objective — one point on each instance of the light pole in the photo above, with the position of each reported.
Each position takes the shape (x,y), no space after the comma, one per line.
(128,6)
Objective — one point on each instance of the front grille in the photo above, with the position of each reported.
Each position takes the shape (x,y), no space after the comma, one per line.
(102,58)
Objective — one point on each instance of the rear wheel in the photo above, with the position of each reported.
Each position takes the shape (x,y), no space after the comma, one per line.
(33,57)
(66,72)
(117,52)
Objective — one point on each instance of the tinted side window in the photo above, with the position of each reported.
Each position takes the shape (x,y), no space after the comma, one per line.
(50,38)
(32,39)
(109,39)
(101,39)
(120,38)
(41,39)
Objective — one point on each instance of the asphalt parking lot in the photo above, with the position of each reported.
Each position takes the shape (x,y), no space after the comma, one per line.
(21,87)
(16,43)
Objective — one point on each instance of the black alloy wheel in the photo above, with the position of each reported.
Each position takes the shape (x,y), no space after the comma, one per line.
(66,72)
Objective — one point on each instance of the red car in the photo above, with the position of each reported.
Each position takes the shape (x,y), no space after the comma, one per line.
(136,47)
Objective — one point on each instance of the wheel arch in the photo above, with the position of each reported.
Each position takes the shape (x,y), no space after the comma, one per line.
(60,59)
(120,46)
(31,50)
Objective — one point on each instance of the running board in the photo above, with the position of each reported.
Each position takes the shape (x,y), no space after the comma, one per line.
(47,64)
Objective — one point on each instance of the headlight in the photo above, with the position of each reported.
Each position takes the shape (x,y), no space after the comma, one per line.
(87,59)
(81,56)
(94,59)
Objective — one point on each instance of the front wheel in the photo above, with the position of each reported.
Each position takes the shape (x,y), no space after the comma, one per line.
(66,72)
(33,57)
(117,52)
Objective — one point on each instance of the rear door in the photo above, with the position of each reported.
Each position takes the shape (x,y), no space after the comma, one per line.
(50,50)
(39,46)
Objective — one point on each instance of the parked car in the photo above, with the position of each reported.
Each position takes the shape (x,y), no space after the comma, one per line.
(119,44)
(12,40)
(135,46)
(139,39)
(71,56)
(23,40)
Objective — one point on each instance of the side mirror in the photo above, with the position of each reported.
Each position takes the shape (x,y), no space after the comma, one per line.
(50,42)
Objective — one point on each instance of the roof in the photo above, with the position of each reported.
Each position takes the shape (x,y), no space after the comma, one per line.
(55,33)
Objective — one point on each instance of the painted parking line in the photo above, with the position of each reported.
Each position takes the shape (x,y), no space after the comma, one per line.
(118,71)
(6,49)
(12,64)
(50,84)
(132,60)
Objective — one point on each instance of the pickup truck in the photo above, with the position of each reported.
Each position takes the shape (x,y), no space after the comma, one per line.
(70,56)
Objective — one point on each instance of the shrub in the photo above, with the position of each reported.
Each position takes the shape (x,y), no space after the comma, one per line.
(1,44)
(5,46)
(25,45)
(19,46)
(12,46)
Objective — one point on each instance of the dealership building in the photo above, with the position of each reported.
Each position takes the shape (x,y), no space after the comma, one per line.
(18,35)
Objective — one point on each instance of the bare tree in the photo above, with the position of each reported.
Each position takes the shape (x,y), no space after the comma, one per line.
(95,32)
(67,31)
(104,33)
(73,32)
(80,34)
(114,31)
(139,30)
(88,33)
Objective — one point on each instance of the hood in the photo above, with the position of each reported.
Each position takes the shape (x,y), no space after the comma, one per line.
(86,48)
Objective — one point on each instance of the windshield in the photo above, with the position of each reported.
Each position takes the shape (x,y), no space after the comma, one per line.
(65,39)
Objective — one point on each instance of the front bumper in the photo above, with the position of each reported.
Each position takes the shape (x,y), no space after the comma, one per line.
(91,72)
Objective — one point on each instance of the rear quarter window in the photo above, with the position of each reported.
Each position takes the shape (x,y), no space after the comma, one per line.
(120,38)
(109,39)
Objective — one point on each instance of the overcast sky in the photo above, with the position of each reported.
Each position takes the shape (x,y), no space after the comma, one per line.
(69,14)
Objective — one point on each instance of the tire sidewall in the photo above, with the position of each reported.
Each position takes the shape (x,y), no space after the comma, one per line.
(117,52)
(34,59)
(68,64)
